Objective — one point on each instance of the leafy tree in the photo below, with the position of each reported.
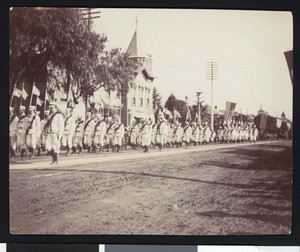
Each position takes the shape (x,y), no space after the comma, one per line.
(181,106)
(48,41)
(156,98)
(56,46)
(170,103)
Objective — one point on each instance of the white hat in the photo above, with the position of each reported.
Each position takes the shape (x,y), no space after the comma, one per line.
(11,109)
(22,107)
(31,108)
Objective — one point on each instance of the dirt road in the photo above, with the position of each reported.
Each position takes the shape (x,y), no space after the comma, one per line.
(233,189)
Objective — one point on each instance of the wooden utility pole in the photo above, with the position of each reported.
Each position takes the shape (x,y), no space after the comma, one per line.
(89,14)
(212,74)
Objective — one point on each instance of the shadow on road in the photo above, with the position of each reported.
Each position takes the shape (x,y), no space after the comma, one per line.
(284,220)
(262,159)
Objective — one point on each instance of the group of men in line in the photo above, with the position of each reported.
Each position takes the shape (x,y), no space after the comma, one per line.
(28,133)
(168,134)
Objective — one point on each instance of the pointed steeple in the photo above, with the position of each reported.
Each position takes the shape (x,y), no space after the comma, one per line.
(135,48)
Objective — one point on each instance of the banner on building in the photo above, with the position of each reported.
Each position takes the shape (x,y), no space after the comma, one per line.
(230,107)
(263,121)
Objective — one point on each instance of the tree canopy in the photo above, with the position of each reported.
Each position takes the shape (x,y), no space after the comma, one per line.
(55,48)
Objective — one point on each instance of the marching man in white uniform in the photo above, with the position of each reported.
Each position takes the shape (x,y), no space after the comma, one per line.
(69,130)
(99,134)
(110,134)
(31,130)
(177,133)
(119,134)
(254,133)
(21,136)
(206,133)
(55,126)
(89,128)
(187,132)
(38,132)
(145,138)
(195,133)
(78,136)
(134,131)
(13,129)
(44,130)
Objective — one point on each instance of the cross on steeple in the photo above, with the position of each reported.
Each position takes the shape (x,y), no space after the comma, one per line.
(136,22)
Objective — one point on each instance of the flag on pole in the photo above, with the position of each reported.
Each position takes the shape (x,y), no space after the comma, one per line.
(230,107)
(17,92)
(289,60)
(39,101)
(188,114)
(278,122)
(47,96)
(24,94)
(35,90)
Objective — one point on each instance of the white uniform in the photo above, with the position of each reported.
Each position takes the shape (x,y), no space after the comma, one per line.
(145,139)
(170,138)
(55,131)
(89,132)
(206,134)
(134,131)
(110,133)
(200,140)
(44,132)
(187,132)
(100,131)
(119,134)
(13,130)
(254,134)
(195,134)
(69,130)
(21,136)
(177,134)
(78,135)
(31,132)
(153,133)
(38,130)
(161,133)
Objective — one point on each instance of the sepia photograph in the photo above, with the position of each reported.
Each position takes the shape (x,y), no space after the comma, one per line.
(150,121)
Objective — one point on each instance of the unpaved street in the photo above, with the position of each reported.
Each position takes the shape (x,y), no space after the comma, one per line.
(214,189)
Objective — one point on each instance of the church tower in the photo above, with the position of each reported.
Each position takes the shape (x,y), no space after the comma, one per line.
(138,102)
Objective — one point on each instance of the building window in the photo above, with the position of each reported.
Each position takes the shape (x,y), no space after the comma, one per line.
(148,103)
(133,101)
(141,96)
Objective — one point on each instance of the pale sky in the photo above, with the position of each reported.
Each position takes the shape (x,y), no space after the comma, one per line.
(248,46)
